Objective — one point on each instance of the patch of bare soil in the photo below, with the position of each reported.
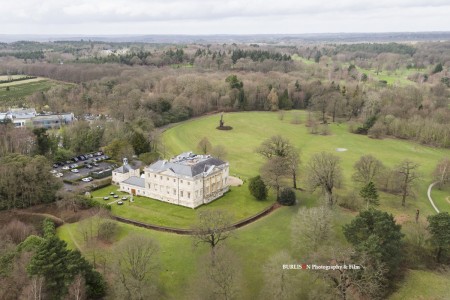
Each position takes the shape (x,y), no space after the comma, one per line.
(400,219)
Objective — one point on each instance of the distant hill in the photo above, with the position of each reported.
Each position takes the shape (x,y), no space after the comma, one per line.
(232,38)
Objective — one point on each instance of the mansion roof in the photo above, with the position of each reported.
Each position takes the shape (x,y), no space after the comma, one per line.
(124,169)
(187,164)
(137,181)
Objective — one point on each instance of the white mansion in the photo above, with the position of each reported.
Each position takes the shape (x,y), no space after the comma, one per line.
(188,179)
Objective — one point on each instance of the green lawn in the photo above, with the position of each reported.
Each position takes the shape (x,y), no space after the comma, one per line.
(251,128)
(421,285)
(19,90)
(441,198)
(237,202)
(256,243)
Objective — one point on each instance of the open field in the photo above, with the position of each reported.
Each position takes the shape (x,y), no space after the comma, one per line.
(250,129)
(256,243)
(19,90)
(13,83)
(420,285)
(237,202)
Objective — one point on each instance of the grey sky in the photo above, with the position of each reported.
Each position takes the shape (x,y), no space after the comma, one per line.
(221,16)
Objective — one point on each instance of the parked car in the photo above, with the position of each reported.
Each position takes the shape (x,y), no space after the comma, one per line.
(119,203)
(60,174)
(88,166)
(53,171)
(75,159)
(74,171)
(95,164)
(65,168)
(55,165)
(116,196)
(86,179)
(124,198)
(105,198)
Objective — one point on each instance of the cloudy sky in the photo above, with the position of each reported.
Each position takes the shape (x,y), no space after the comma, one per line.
(93,17)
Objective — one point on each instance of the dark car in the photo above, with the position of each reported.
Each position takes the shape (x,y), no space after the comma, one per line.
(81,157)
(75,159)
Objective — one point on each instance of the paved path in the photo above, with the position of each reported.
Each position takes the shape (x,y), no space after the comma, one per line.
(429,196)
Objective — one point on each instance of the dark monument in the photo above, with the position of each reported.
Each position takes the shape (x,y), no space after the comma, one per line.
(221,124)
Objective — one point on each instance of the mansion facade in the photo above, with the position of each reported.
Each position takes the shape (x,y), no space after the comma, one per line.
(188,180)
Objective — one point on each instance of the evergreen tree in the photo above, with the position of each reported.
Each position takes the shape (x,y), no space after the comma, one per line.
(439,227)
(258,188)
(287,197)
(50,262)
(375,233)
(369,194)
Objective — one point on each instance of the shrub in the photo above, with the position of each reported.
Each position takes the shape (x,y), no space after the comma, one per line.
(48,227)
(107,230)
(149,157)
(17,231)
(287,197)
(258,188)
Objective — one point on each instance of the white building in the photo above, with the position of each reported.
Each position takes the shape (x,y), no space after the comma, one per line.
(188,180)
(22,117)
(124,172)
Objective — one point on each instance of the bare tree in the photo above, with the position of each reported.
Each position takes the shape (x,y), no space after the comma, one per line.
(137,265)
(274,171)
(442,172)
(279,282)
(407,171)
(213,227)
(311,227)
(280,147)
(367,168)
(204,146)
(77,289)
(293,160)
(324,171)
(219,280)
(275,146)
(219,152)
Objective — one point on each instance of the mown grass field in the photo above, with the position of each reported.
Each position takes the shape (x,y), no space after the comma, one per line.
(237,202)
(250,129)
(256,243)
(20,90)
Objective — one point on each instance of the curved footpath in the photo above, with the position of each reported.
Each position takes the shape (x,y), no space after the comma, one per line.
(429,196)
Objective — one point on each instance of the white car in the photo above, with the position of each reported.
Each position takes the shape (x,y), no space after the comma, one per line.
(60,174)
(65,168)
(86,179)
(74,171)
(53,171)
